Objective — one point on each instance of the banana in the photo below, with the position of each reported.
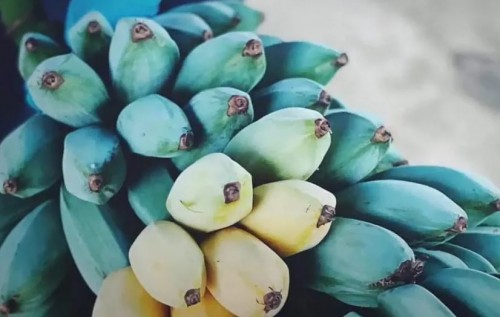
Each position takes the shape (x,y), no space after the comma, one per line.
(290,216)
(96,236)
(302,59)
(237,60)
(291,92)
(34,48)
(411,301)
(472,259)
(466,292)
(218,15)
(121,295)
(392,158)
(142,58)
(89,39)
(286,144)
(492,220)
(358,144)
(435,261)
(93,164)
(478,197)
(244,274)
(188,30)
(357,261)
(420,214)
(217,115)
(149,190)
(208,307)
(30,157)
(484,241)
(67,89)
(213,193)
(169,264)
(250,19)
(35,259)
(155,126)
(268,40)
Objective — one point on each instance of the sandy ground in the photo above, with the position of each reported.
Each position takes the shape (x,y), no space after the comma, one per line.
(430,69)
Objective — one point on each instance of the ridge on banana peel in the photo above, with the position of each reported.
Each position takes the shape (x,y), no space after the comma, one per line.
(142,58)
(31,156)
(472,259)
(121,295)
(213,193)
(234,59)
(244,275)
(94,166)
(436,260)
(290,216)
(216,114)
(420,214)
(34,48)
(35,260)
(358,144)
(302,59)
(286,144)
(169,264)
(68,90)
(154,126)
(477,196)
(187,30)
(221,17)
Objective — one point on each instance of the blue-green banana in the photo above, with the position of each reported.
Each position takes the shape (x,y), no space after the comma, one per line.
(472,259)
(392,158)
(436,261)
(492,221)
(34,48)
(250,18)
(268,40)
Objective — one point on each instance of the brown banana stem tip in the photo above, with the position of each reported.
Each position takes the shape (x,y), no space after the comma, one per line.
(9,307)
(207,35)
(10,186)
(141,32)
(400,163)
(253,48)
(459,226)
(324,98)
(96,182)
(237,105)
(321,127)
(31,44)
(496,205)
(327,215)
(341,61)
(94,27)
(235,20)
(406,273)
(381,135)
(192,297)
(52,80)
(186,141)
(232,192)
(272,300)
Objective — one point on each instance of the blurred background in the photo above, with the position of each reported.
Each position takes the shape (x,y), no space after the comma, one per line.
(430,69)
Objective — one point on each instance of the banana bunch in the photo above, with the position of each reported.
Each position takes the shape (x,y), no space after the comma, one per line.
(183,164)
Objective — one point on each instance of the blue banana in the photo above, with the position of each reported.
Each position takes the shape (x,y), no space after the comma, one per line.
(93,165)
(478,197)
(217,115)
(392,158)
(436,261)
(420,214)
(70,91)
(155,126)
(234,59)
(358,144)
(268,40)
(250,18)
(472,259)
(30,157)
(142,58)
(492,221)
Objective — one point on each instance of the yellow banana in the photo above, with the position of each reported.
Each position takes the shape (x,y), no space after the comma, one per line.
(290,216)
(121,295)
(244,275)
(169,264)
(208,307)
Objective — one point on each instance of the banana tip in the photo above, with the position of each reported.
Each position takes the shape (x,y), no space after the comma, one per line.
(406,273)
(459,226)
(327,215)
(10,186)
(52,80)
(93,27)
(322,128)
(186,141)
(31,44)
(141,32)
(253,48)
(400,163)
(324,98)
(192,297)
(232,192)
(207,35)
(496,205)
(96,182)
(341,60)
(382,135)
(9,307)
(237,105)
(271,300)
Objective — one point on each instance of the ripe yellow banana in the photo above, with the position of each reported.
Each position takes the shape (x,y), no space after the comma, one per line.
(290,216)
(121,295)
(169,264)
(244,275)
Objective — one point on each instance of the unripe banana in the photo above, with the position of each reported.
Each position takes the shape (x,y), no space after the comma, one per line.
(268,40)
(250,18)
(169,264)
(121,295)
(290,216)
(208,307)
(244,274)
(213,193)
(34,49)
